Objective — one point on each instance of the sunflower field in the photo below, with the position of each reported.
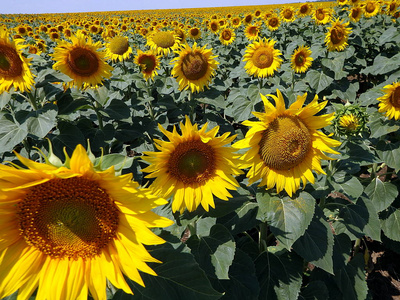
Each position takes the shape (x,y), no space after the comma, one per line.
(217,153)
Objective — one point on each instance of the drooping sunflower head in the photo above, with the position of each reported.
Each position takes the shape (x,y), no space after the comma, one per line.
(252,31)
(273,22)
(194,67)
(285,146)
(301,59)
(337,36)
(390,102)
(118,48)
(14,67)
(288,14)
(149,63)
(261,58)
(81,60)
(227,36)
(164,42)
(371,8)
(194,33)
(74,226)
(356,13)
(193,166)
(321,15)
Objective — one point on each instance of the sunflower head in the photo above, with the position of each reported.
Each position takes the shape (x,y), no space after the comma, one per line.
(285,146)
(273,22)
(350,120)
(194,67)
(389,103)
(371,8)
(305,9)
(301,59)
(164,42)
(194,33)
(227,36)
(356,13)
(118,48)
(321,15)
(288,14)
(149,63)
(261,58)
(252,31)
(337,36)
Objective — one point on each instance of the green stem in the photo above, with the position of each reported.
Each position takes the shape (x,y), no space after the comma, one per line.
(98,114)
(192,104)
(263,237)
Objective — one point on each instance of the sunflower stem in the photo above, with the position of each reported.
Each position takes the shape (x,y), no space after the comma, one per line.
(263,237)
(192,104)
(97,107)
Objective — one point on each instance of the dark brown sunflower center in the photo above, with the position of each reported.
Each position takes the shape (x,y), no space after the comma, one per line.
(320,15)
(194,31)
(192,162)
(355,12)
(10,62)
(226,35)
(163,39)
(148,63)
(285,143)
(214,26)
(263,57)
(119,45)
(288,14)
(253,30)
(273,22)
(194,66)
(69,218)
(370,7)
(83,62)
(303,9)
(337,35)
(300,59)
(395,97)
(248,19)
(235,21)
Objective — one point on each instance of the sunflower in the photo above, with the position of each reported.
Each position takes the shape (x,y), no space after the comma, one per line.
(214,26)
(262,58)
(248,19)
(337,36)
(163,41)
(342,2)
(305,9)
(14,67)
(288,14)
(251,31)
(273,22)
(67,229)
(349,123)
(193,166)
(321,16)
(391,7)
(355,13)
(118,49)
(301,59)
(194,33)
(227,36)
(149,63)
(236,22)
(82,61)
(181,35)
(371,8)
(194,67)
(390,102)
(285,146)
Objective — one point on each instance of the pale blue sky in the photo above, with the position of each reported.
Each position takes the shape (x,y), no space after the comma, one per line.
(62,6)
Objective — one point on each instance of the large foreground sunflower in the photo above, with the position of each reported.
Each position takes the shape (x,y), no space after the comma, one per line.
(67,229)
(337,36)
(261,58)
(14,67)
(81,60)
(193,166)
(149,63)
(285,146)
(301,59)
(390,102)
(194,67)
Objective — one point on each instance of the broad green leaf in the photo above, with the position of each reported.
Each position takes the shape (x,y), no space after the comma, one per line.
(242,219)
(178,277)
(11,134)
(242,283)
(341,251)
(383,65)
(288,218)
(119,161)
(214,252)
(5,97)
(40,122)
(69,137)
(381,193)
(380,126)
(351,279)
(117,110)
(315,290)
(390,222)
(100,94)
(242,107)
(316,245)
(335,65)
(390,35)
(389,153)
(280,277)
(346,184)
(318,80)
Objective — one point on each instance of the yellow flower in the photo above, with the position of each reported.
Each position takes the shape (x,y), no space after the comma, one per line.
(14,67)
(251,31)
(261,58)
(193,167)
(194,67)
(390,102)
(349,123)
(285,146)
(301,59)
(164,42)
(288,14)
(355,13)
(371,8)
(118,48)
(305,9)
(321,15)
(66,230)
(214,26)
(337,36)
(82,61)
(273,22)
(149,63)
(194,33)
(227,36)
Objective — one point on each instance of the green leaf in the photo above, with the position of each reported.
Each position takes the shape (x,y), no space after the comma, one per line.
(5,97)
(288,218)
(119,161)
(346,184)
(380,126)
(389,153)
(383,65)
(318,80)
(179,277)
(40,122)
(336,65)
(390,222)
(11,134)
(390,35)
(316,245)
(351,279)
(280,277)
(315,290)
(341,251)
(242,283)
(214,252)
(382,194)
(100,94)
(242,107)
(69,137)
(117,110)
(242,219)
